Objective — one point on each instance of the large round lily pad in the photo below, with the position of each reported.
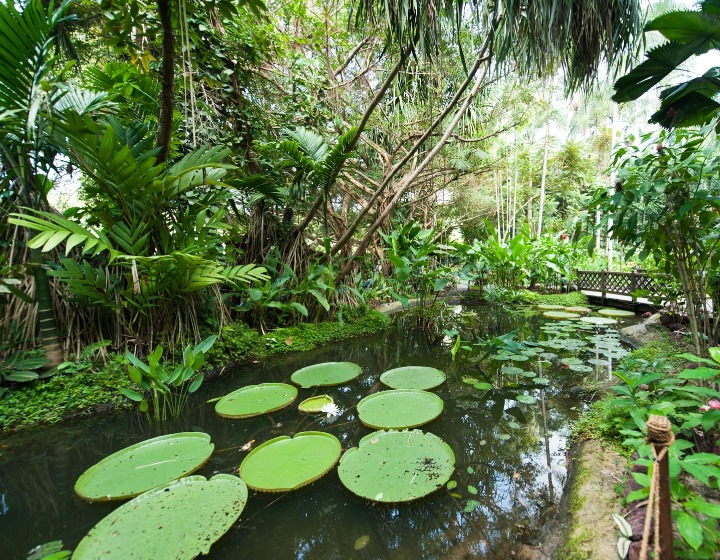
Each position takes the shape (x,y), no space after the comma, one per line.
(616,312)
(145,465)
(286,463)
(179,520)
(315,404)
(580,310)
(549,307)
(598,320)
(560,315)
(328,373)
(254,400)
(399,408)
(413,377)
(397,466)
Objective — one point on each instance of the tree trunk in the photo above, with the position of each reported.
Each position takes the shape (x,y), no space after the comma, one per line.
(543,179)
(167,71)
(48,331)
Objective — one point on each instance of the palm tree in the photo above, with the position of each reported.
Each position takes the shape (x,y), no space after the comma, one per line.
(28,96)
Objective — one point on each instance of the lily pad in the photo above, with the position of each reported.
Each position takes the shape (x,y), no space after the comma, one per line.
(284,463)
(560,315)
(397,466)
(179,520)
(598,320)
(580,310)
(616,313)
(399,408)
(328,373)
(254,400)
(509,370)
(548,307)
(527,399)
(413,377)
(315,404)
(145,465)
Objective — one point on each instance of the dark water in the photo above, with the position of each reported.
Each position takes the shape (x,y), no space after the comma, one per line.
(512,453)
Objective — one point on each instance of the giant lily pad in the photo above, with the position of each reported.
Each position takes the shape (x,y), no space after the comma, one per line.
(254,400)
(286,463)
(179,520)
(578,309)
(549,307)
(413,377)
(328,373)
(560,315)
(145,465)
(616,312)
(399,408)
(598,320)
(396,466)
(315,404)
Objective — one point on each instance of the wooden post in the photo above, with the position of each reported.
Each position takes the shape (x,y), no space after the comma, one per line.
(660,435)
(603,284)
(633,286)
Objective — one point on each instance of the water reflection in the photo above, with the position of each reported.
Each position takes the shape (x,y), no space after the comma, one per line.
(509,458)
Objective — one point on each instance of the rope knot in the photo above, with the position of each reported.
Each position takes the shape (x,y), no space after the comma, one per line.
(659,431)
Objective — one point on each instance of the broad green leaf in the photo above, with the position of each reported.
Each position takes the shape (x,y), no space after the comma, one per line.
(145,465)
(689,528)
(328,373)
(283,463)
(179,520)
(254,400)
(413,377)
(396,466)
(399,409)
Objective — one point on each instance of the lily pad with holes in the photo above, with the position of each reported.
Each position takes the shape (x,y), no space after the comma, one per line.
(179,520)
(397,466)
(413,377)
(145,465)
(284,463)
(598,320)
(549,307)
(578,309)
(399,409)
(328,373)
(616,313)
(560,315)
(315,404)
(254,400)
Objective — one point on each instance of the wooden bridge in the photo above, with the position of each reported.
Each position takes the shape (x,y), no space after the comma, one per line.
(616,288)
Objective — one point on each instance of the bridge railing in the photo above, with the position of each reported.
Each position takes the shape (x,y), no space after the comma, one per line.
(615,283)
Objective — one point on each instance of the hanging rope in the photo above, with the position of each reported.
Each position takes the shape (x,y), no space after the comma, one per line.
(660,435)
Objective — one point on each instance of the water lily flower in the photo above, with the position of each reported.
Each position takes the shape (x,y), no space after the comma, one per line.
(714,404)
(330,409)
(704,408)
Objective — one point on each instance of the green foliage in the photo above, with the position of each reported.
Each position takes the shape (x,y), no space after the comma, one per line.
(20,368)
(66,395)
(573,299)
(168,388)
(666,206)
(691,402)
(689,33)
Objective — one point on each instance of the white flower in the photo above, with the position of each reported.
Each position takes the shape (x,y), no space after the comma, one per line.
(330,409)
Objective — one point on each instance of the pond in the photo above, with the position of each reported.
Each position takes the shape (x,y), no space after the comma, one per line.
(510,455)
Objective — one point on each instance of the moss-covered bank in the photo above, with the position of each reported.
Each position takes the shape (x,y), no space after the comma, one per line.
(94,390)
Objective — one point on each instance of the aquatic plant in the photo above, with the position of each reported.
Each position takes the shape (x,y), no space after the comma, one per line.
(413,377)
(254,400)
(168,390)
(188,516)
(397,466)
(328,373)
(284,463)
(399,408)
(145,465)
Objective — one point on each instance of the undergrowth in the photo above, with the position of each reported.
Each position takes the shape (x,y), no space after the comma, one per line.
(84,390)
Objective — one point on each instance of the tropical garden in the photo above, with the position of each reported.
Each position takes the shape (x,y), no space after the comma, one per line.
(213,208)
